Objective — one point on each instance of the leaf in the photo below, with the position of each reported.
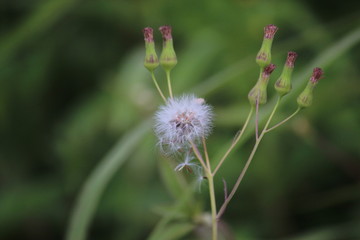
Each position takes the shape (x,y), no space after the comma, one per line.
(183,203)
(174,181)
(95,185)
(175,231)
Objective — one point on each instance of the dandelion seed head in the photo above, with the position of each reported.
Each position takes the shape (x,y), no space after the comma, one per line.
(182,120)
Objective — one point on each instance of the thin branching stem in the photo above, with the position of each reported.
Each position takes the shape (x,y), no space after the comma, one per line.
(257,119)
(210,179)
(247,164)
(213,206)
(206,154)
(157,86)
(199,157)
(169,83)
(283,121)
(233,144)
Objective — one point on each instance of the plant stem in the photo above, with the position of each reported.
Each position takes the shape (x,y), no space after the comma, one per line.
(199,157)
(213,206)
(238,181)
(157,86)
(283,121)
(169,83)
(247,164)
(206,154)
(210,178)
(271,115)
(233,144)
(257,119)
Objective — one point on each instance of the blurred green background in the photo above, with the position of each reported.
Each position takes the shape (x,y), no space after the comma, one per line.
(72,84)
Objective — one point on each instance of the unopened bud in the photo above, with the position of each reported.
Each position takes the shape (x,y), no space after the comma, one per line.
(168,58)
(263,57)
(306,97)
(259,91)
(283,84)
(151,60)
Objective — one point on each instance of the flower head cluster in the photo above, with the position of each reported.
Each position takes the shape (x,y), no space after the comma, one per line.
(181,121)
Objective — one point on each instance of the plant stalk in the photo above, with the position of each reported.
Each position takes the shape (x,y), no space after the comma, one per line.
(247,164)
(157,86)
(213,206)
(233,144)
(169,83)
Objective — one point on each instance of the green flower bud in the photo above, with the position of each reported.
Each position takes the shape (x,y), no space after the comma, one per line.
(151,60)
(283,84)
(306,97)
(168,58)
(263,57)
(259,91)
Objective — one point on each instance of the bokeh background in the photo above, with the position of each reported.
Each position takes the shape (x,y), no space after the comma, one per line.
(75,101)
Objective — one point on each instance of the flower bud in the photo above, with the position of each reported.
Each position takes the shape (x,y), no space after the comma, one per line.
(168,58)
(151,60)
(283,84)
(259,91)
(263,57)
(306,97)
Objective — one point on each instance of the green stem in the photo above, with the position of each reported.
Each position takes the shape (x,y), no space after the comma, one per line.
(210,178)
(169,83)
(157,86)
(284,121)
(238,181)
(272,114)
(206,153)
(257,119)
(233,144)
(247,164)
(213,206)
(199,157)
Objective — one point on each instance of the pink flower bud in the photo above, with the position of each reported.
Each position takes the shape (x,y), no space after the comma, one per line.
(290,61)
(269,69)
(269,31)
(168,58)
(148,34)
(317,75)
(166,32)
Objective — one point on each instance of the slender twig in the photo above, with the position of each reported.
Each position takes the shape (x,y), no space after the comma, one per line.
(157,86)
(210,179)
(233,144)
(225,189)
(247,164)
(213,206)
(199,157)
(257,119)
(169,83)
(272,115)
(284,121)
(206,154)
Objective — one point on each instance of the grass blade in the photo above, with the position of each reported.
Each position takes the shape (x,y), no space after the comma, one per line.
(95,185)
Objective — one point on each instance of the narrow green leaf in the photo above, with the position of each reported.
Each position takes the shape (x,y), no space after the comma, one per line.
(174,182)
(94,186)
(175,231)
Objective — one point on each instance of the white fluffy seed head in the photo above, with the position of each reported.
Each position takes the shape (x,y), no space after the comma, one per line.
(182,120)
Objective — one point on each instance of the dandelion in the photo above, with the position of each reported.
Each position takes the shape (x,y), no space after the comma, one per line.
(181,121)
